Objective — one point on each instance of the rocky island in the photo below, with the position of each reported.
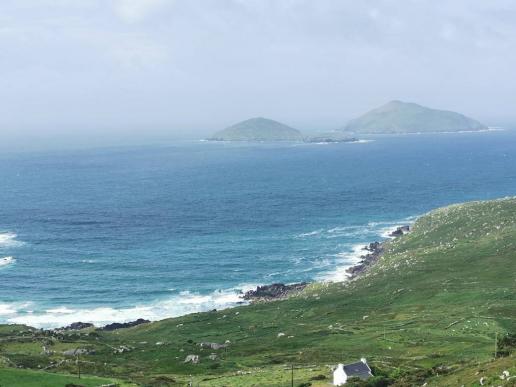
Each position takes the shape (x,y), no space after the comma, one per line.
(330,137)
(395,117)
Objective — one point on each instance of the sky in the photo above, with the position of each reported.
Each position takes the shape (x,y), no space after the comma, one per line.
(120,71)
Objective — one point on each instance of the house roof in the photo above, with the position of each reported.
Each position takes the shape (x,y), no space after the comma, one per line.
(358,370)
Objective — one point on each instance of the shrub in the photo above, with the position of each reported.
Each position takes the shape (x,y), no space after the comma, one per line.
(378,381)
(507,344)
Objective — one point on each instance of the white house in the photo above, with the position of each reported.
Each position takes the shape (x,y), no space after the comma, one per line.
(342,373)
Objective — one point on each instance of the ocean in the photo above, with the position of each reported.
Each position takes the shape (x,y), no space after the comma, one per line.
(152,232)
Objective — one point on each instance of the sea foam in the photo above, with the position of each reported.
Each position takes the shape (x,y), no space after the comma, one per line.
(184,303)
(352,254)
(6,261)
(330,268)
(8,239)
(341,262)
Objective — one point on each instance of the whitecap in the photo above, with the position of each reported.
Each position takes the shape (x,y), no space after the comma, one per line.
(6,261)
(340,229)
(310,233)
(361,141)
(7,310)
(12,309)
(8,239)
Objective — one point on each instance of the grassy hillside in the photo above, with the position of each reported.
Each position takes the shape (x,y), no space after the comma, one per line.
(402,117)
(427,312)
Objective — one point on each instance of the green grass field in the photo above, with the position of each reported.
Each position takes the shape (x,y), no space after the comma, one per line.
(10,377)
(428,311)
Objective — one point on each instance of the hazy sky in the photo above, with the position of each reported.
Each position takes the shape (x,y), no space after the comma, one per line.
(151,69)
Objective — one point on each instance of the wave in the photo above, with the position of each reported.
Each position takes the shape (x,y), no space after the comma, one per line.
(330,268)
(178,305)
(11,309)
(370,230)
(341,262)
(88,261)
(310,233)
(353,253)
(8,239)
(361,142)
(6,261)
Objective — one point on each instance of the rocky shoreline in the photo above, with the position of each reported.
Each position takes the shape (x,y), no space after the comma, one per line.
(375,251)
(278,291)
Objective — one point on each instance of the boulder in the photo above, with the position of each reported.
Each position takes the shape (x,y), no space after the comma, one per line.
(77,352)
(194,359)
(400,231)
(77,326)
(212,345)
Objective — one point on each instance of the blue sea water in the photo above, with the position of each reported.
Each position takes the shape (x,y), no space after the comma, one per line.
(116,234)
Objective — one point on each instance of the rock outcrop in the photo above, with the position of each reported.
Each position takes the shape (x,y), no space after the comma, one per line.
(76,326)
(273,292)
(113,326)
(400,231)
(375,251)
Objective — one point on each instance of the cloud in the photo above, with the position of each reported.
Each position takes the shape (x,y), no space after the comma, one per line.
(138,54)
(133,11)
(115,63)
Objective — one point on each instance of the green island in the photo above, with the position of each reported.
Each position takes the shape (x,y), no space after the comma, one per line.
(397,117)
(261,129)
(437,309)
(258,129)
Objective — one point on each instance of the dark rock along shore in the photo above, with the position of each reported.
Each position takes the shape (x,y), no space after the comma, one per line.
(375,250)
(113,326)
(272,292)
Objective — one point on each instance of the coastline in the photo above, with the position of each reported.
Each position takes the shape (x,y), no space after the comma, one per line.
(295,255)
(488,130)
(372,254)
(356,264)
